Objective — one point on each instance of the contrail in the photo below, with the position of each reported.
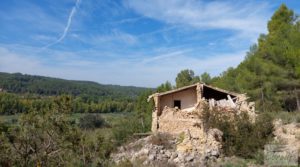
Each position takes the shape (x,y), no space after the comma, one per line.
(67,26)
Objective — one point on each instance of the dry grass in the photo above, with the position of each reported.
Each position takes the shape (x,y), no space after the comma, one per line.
(162,139)
(287,117)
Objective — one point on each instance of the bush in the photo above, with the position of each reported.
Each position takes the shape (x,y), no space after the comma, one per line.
(130,124)
(91,121)
(241,137)
(287,117)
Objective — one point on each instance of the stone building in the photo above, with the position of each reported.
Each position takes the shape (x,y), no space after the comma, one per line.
(173,109)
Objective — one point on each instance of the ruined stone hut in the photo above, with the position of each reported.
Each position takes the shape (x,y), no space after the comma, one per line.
(172,112)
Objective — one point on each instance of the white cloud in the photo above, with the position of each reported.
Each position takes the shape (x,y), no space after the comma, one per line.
(114,36)
(42,38)
(13,62)
(162,57)
(142,70)
(126,21)
(245,17)
(69,22)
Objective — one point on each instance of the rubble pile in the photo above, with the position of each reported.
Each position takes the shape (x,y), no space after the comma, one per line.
(182,150)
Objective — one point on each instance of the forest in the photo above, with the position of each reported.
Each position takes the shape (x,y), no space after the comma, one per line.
(22,92)
(45,133)
(270,73)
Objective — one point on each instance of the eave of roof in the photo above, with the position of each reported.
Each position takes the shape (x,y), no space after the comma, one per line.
(177,90)
(190,86)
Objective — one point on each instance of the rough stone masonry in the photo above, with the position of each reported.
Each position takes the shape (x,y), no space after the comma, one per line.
(174,110)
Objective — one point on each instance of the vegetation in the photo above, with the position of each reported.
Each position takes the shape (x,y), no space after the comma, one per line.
(186,77)
(22,92)
(241,136)
(138,122)
(44,133)
(11,103)
(270,74)
(89,91)
(164,87)
(91,121)
(49,138)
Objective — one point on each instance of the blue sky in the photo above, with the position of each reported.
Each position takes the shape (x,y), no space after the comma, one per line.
(130,42)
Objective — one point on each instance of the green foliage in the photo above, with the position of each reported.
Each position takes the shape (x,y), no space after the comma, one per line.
(90,91)
(287,117)
(91,121)
(12,104)
(205,77)
(143,110)
(137,122)
(50,138)
(185,78)
(164,87)
(126,127)
(270,72)
(241,137)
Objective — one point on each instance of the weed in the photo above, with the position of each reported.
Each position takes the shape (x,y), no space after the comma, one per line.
(180,138)
(240,137)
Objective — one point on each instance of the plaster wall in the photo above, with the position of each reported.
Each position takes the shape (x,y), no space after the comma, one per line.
(188,98)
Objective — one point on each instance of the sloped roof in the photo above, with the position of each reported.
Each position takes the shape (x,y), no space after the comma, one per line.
(193,85)
(177,90)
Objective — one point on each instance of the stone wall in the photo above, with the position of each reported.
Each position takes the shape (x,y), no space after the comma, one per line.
(174,121)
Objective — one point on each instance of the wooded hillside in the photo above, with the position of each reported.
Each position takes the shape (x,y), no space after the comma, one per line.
(19,83)
(270,73)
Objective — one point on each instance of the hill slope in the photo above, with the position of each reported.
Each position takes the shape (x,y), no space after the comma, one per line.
(19,83)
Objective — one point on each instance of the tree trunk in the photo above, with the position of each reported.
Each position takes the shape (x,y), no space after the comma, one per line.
(262,99)
(297,100)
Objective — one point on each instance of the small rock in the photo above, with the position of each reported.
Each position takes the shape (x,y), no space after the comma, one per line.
(145,163)
(165,156)
(174,155)
(180,155)
(122,149)
(151,157)
(176,160)
(168,153)
(160,147)
(145,151)
(189,158)
(215,153)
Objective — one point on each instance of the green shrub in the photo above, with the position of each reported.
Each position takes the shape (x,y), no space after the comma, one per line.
(287,117)
(91,121)
(298,118)
(241,137)
(130,124)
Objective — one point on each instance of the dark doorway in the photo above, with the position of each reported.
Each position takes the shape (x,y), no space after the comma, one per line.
(177,103)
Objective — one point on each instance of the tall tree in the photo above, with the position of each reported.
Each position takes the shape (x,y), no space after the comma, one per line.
(186,77)
(164,87)
(270,72)
(205,77)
